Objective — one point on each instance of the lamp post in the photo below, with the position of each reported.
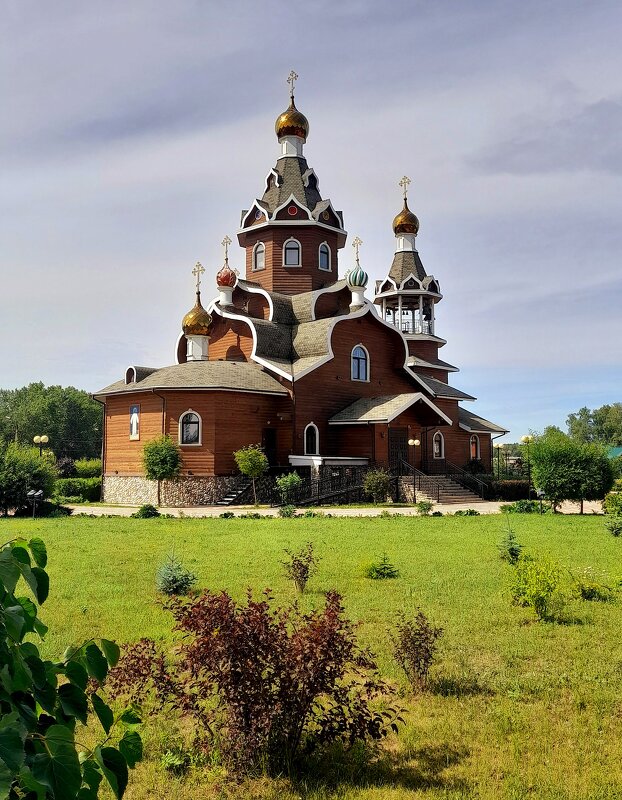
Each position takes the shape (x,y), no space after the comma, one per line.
(498,446)
(527,440)
(414,443)
(41,441)
(34,498)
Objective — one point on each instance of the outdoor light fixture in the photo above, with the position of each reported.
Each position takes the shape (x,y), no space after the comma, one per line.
(498,446)
(34,498)
(527,440)
(41,441)
(414,443)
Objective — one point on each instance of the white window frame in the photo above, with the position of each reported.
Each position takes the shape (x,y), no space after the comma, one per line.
(442,449)
(254,266)
(368,370)
(330,258)
(317,439)
(478,451)
(179,429)
(299,264)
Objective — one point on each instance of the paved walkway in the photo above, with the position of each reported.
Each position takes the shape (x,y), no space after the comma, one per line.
(216,511)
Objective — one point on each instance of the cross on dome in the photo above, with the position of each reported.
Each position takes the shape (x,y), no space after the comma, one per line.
(225,243)
(291,79)
(405,183)
(356,243)
(197,272)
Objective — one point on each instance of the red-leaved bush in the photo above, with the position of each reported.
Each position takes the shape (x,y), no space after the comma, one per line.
(285,682)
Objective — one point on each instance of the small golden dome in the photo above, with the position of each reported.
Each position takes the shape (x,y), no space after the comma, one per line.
(292,123)
(405,221)
(197,321)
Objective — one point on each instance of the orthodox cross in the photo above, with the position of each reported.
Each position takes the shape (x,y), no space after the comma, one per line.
(356,243)
(405,183)
(225,243)
(197,272)
(292,78)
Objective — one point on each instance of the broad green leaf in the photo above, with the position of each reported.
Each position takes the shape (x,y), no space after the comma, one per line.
(58,767)
(12,737)
(131,748)
(9,570)
(130,717)
(96,664)
(39,552)
(91,774)
(20,553)
(30,612)
(114,767)
(15,622)
(22,677)
(43,584)
(77,674)
(46,697)
(37,669)
(6,781)
(73,702)
(111,651)
(27,781)
(87,793)
(40,627)
(104,713)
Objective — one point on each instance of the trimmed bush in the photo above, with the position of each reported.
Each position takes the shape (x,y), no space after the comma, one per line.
(147,511)
(22,469)
(510,489)
(377,485)
(66,467)
(287,485)
(614,524)
(88,490)
(524,507)
(612,504)
(88,468)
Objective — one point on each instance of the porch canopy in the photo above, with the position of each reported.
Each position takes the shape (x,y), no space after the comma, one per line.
(371,410)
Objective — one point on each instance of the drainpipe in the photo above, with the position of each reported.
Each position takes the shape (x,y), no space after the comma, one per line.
(492,462)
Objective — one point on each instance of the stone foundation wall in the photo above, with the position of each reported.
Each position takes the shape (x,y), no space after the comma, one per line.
(134,490)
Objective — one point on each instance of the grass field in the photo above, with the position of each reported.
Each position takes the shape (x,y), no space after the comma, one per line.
(517,709)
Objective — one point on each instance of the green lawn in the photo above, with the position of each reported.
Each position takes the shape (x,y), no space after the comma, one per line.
(518,709)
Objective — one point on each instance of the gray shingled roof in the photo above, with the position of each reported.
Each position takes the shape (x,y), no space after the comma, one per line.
(405,263)
(441,389)
(379,409)
(240,376)
(432,362)
(290,171)
(475,424)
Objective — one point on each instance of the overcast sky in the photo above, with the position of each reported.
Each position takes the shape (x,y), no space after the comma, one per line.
(133,133)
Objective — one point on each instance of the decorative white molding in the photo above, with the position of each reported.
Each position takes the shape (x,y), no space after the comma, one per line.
(317,439)
(179,428)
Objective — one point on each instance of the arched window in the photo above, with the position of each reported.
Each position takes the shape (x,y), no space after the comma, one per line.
(474,446)
(324,257)
(259,256)
(190,428)
(291,253)
(312,440)
(438,445)
(360,363)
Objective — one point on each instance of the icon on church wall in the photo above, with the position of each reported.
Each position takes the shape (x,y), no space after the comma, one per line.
(135,422)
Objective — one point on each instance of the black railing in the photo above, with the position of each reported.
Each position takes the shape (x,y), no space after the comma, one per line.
(421,482)
(465,479)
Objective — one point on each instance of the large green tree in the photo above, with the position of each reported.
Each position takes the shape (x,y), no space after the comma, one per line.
(69,417)
(602,424)
(569,470)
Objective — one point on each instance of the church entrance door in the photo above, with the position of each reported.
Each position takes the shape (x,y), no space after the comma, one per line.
(268,442)
(398,446)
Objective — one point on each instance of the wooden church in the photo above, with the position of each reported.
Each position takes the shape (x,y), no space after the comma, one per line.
(297,359)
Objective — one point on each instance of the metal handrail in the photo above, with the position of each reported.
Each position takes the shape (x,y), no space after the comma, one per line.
(418,475)
(465,479)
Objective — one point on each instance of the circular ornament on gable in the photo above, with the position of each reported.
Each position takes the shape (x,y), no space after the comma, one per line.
(258,214)
(325,215)
(292,211)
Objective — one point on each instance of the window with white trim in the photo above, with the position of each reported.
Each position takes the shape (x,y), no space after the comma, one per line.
(312,440)
(292,253)
(438,445)
(474,448)
(259,256)
(324,257)
(360,363)
(190,428)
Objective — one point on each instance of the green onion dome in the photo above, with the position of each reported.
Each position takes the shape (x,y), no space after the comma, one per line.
(357,278)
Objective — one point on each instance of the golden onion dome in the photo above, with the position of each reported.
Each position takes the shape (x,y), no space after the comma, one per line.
(405,221)
(292,123)
(197,321)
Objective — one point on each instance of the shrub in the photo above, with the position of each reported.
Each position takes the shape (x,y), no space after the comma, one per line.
(414,647)
(146,511)
(66,467)
(377,484)
(262,683)
(227,515)
(47,508)
(252,462)
(287,511)
(524,507)
(40,713)
(475,467)
(539,584)
(617,484)
(173,578)
(382,569)
(300,565)
(161,460)
(612,504)
(590,586)
(437,513)
(87,490)
(510,549)
(424,507)
(287,485)
(466,512)
(22,469)
(510,489)
(88,467)
(614,524)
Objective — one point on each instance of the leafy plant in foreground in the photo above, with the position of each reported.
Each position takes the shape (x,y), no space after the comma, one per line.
(414,647)
(262,683)
(510,549)
(540,584)
(40,718)
(300,565)
(287,486)
(614,524)
(172,578)
(382,569)
(590,586)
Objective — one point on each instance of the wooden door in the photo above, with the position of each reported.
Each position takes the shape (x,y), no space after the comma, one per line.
(398,446)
